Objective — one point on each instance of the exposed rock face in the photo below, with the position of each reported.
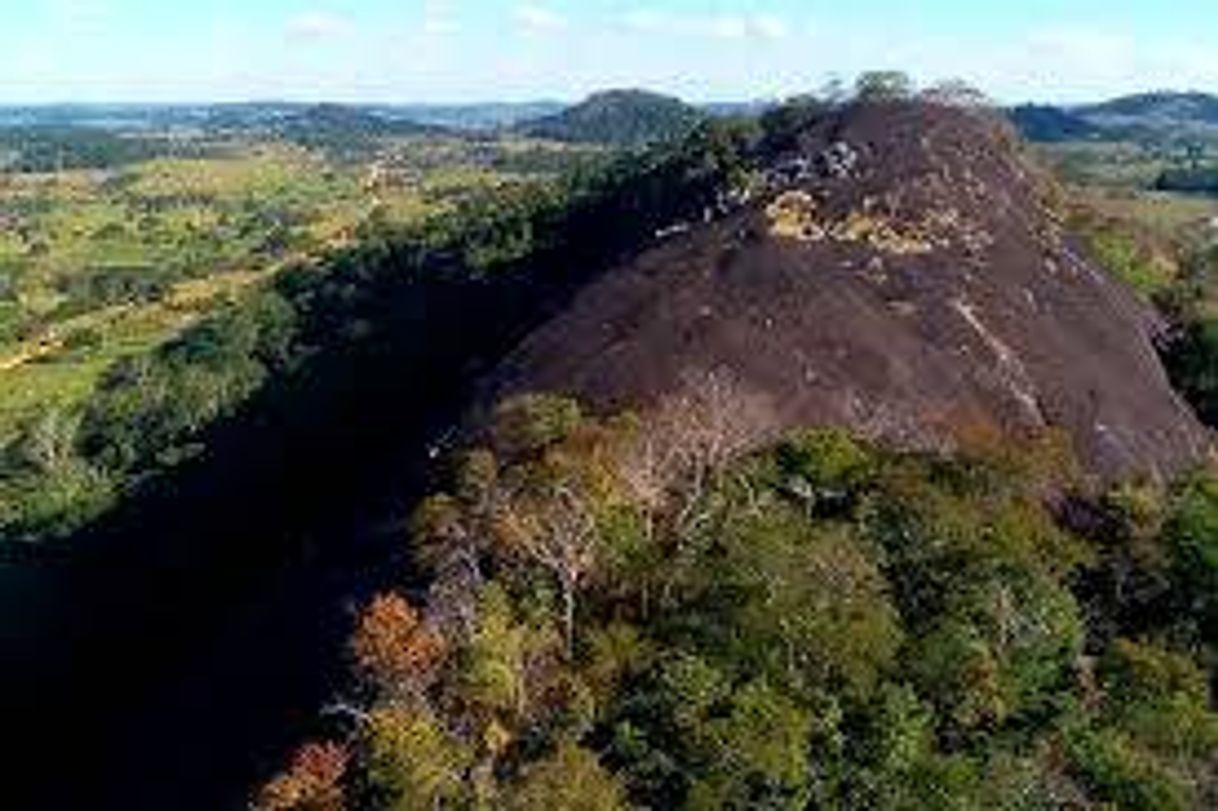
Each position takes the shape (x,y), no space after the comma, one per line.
(908,281)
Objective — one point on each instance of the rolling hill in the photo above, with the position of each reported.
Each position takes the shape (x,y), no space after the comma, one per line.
(1045,123)
(1157,110)
(628,118)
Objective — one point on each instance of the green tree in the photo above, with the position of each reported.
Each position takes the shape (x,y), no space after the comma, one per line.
(412,762)
(571,779)
(884,85)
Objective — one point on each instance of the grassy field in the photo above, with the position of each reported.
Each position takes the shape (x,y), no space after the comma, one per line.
(95,265)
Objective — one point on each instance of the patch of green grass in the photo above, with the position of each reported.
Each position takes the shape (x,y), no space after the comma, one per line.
(64,378)
(1122,256)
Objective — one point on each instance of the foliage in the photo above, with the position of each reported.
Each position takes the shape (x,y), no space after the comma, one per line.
(1203,179)
(572,779)
(1122,256)
(55,148)
(412,762)
(505,252)
(1048,124)
(883,86)
(631,118)
(1192,361)
(312,783)
(842,626)
(391,645)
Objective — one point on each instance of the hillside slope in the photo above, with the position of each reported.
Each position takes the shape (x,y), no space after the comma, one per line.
(900,274)
(1043,123)
(620,118)
(1155,110)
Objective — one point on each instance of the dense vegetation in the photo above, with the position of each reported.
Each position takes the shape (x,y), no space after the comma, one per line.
(629,118)
(345,131)
(53,149)
(607,613)
(1165,108)
(1202,179)
(150,412)
(620,614)
(104,274)
(1043,123)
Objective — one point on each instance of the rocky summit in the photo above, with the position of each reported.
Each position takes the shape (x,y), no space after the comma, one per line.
(899,271)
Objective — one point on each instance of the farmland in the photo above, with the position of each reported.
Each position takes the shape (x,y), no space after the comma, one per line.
(99,264)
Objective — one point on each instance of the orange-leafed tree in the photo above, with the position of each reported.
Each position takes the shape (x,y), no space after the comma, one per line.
(395,646)
(313,782)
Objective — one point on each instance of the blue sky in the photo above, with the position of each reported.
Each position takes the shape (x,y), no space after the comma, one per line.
(466,50)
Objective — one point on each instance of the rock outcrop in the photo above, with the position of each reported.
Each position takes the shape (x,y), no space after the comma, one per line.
(901,274)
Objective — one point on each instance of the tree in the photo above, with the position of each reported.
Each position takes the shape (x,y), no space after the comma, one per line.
(883,86)
(804,604)
(757,754)
(956,93)
(557,529)
(412,762)
(491,679)
(1192,534)
(687,438)
(312,783)
(529,422)
(396,647)
(571,779)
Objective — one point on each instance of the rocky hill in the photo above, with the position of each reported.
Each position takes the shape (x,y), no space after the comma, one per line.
(899,272)
(619,118)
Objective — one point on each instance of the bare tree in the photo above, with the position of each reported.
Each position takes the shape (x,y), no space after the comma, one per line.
(688,437)
(559,532)
(883,86)
(956,93)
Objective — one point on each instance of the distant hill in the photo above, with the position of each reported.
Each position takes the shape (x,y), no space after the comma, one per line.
(338,120)
(1156,110)
(345,130)
(734,109)
(476,116)
(1048,124)
(618,117)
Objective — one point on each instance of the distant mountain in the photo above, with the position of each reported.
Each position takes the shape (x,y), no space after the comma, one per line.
(1048,124)
(324,121)
(345,130)
(734,109)
(1155,110)
(619,117)
(478,116)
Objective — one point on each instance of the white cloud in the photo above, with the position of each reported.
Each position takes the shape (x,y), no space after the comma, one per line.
(727,27)
(539,19)
(1093,51)
(647,21)
(440,17)
(318,25)
(79,17)
(770,26)
(762,27)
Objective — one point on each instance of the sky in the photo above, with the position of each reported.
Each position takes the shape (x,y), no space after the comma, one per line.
(513,50)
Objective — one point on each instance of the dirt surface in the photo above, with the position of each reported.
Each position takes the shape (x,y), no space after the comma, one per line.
(900,274)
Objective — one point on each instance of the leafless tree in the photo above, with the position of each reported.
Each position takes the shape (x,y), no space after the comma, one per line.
(690,436)
(561,535)
(956,93)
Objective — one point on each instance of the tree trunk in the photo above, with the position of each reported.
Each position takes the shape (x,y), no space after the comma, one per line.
(568,600)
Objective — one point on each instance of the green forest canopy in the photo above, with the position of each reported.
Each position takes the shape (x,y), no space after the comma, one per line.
(619,617)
